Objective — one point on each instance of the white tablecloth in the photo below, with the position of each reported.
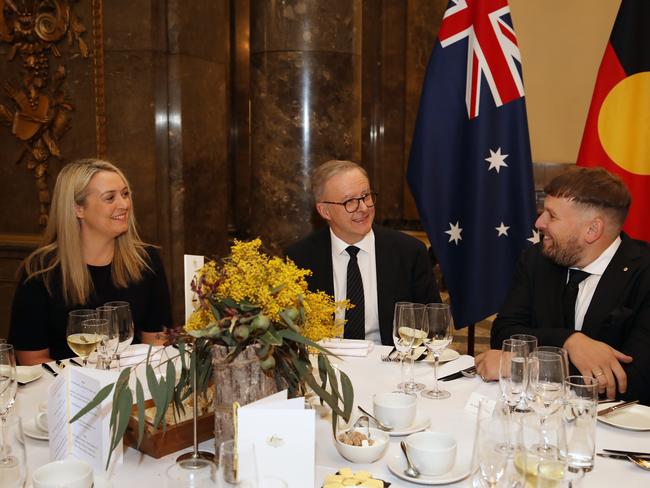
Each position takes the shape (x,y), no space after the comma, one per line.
(369,375)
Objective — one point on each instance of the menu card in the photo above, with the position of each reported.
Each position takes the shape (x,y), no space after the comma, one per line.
(192,263)
(88,438)
(284,436)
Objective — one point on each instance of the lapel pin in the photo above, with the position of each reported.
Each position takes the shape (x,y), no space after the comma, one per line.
(625,269)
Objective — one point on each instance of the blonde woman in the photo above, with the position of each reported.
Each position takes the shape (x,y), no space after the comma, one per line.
(91,254)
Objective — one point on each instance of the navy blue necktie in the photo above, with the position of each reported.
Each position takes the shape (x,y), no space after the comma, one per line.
(570,295)
(355,327)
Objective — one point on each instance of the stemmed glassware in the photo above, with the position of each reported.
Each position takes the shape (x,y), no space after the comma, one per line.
(439,336)
(8,387)
(546,384)
(412,319)
(107,348)
(491,451)
(403,341)
(125,326)
(84,334)
(557,350)
(513,372)
(13,463)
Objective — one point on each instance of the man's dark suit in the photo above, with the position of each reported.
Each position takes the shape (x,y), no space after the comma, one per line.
(619,312)
(404,271)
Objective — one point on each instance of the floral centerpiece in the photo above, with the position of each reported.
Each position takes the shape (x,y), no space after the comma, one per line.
(251,302)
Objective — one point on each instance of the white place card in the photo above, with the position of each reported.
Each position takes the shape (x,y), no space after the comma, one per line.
(487,405)
(284,436)
(88,438)
(191,264)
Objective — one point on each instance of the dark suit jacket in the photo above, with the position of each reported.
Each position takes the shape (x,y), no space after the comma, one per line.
(619,312)
(404,271)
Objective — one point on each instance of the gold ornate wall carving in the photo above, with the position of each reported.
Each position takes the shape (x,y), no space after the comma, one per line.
(38,112)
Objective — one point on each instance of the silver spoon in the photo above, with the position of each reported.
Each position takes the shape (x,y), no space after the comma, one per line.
(380,424)
(410,471)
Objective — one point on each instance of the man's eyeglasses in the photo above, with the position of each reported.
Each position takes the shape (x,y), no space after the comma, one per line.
(352,205)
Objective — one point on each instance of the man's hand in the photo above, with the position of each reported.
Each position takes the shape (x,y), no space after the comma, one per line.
(487,364)
(598,359)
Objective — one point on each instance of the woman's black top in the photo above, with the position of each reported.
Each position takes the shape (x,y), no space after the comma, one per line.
(38,319)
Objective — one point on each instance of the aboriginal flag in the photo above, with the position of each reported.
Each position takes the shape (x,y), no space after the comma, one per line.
(617,132)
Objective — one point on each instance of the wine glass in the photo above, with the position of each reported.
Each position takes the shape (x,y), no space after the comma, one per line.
(237,465)
(417,325)
(107,348)
(491,451)
(402,340)
(513,371)
(558,350)
(440,335)
(8,387)
(84,336)
(546,384)
(13,463)
(125,326)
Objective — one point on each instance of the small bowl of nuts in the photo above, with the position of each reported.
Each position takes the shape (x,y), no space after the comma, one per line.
(362,445)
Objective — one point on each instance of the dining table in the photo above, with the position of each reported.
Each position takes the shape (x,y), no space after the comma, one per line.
(369,375)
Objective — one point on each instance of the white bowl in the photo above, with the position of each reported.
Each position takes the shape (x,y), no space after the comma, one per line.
(360,454)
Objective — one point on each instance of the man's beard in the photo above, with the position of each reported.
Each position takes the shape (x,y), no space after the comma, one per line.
(565,255)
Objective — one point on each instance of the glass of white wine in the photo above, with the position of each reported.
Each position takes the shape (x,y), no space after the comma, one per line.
(439,336)
(107,348)
(84,336)
(402,340)
(414,327)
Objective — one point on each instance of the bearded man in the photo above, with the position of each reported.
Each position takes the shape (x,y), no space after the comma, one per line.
(584,287)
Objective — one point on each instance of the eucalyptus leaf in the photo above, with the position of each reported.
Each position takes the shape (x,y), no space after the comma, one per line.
(99,398)
(139,400)
(296,337)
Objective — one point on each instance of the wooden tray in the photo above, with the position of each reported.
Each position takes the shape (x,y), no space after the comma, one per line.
(158,443)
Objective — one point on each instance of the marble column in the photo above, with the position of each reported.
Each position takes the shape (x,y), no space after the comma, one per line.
(305,106)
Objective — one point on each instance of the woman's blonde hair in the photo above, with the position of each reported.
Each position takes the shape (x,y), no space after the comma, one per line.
(62,239)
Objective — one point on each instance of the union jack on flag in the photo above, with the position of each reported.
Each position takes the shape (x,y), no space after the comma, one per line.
(470,167)
(492,49)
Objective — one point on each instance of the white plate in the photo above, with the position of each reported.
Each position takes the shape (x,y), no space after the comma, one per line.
(31,430)
(27,374)
(634,417)
(421,423)
(445,356)
(397,465)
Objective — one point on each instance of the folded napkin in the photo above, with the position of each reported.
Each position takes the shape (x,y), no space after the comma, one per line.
(137,353)
(348,347)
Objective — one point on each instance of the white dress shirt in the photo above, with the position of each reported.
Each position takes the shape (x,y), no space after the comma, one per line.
(368,268)
(587,287)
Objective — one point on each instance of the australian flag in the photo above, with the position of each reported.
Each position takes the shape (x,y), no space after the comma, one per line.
(470,167)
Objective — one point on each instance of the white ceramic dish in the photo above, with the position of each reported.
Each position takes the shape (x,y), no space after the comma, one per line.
(30,429)
(365,455)
(634,417)
(445,356)
(27,374)
(397,465)
(421,422)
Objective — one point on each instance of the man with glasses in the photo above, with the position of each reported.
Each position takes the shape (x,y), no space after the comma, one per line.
(372,266)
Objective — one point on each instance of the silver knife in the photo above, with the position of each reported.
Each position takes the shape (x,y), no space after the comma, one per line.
(609,410)
(620,456)
(621,452)
(50,369)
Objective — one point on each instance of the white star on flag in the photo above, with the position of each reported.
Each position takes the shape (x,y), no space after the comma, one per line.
(454,232)
(496,160)
(535,237)
(502,229)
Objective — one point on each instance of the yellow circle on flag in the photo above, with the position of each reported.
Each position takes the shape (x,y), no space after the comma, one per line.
(624,123)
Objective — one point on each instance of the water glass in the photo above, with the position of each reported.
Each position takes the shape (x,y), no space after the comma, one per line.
(441,333)
(581,404)
(13,467)
(237,465)
(413,322)
(558,350)
(513,371)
